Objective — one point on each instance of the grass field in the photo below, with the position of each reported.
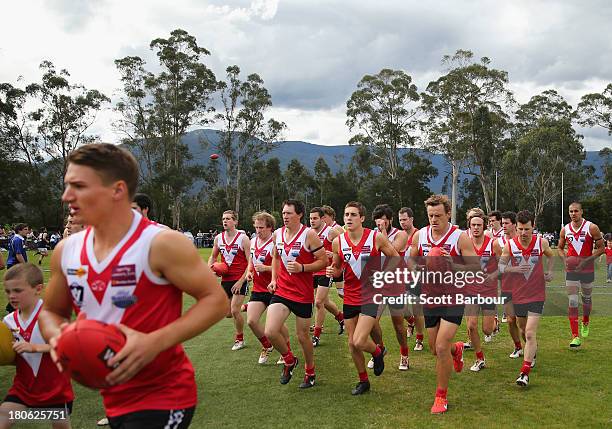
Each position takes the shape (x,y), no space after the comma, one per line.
(568,387)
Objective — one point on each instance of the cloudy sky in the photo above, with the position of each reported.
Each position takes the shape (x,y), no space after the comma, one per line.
(312,53)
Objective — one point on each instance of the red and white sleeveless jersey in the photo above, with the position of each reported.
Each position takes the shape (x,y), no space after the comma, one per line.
(37,380)
(449,243)
(497,234)
(298,286)
(406,253)
(488,264)
(529,286)
(233,255)
(580,243)
(323,236)
(122,288)
(354,258)
(261,254)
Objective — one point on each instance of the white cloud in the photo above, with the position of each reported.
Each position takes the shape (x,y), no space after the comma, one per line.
(312,53)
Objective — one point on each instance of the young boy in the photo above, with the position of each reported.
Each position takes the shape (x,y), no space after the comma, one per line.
(37,383)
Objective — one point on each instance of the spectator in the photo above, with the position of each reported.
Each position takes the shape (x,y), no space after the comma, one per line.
(17,253)
(17,249)
(608,252)
(55,238)
(42,245)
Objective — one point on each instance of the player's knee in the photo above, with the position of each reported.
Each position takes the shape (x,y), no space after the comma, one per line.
(573,301)
(360,343)
(472,324)
(320,304)
(586,297)
(252,322)
(442,348)
(270,333)
(303,336)
(530,335)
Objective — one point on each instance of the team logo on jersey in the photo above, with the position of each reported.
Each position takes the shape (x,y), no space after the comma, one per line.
(76,290)
(98,286)
(123,275)
(124,299)
(79,272)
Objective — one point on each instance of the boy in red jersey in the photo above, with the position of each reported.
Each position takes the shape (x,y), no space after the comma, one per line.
(37,383)
(442,321)
(584,245)
(351,252)
(522,261)
(260,273)
(128,271)
(299,253)
(234,246)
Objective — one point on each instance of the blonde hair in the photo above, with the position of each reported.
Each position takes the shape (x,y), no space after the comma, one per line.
(266,217)
(436,200)
(476,212)
(231,212)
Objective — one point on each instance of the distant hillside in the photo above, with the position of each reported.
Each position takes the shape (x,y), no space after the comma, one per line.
(335,156)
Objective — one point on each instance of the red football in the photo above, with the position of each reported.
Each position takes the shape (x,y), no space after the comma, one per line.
(214,156)
(84,348)
(436,261)
(220,268)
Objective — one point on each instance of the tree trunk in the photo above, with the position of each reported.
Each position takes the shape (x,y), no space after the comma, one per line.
(455,180)
(485,192)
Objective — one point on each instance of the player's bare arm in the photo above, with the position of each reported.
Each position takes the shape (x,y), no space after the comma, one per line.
(385,246)
(561,245)
(550,260)
(468,253)
(57,306)
(214,254)
(173,257)
(401,239)
(246,246)
(335,269)
(273,267)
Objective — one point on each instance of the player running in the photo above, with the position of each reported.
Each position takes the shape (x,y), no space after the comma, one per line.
(321,282)
(330,219)
(484,247)
(135,276)
(442,320)
(522,262)
(234,247)
(584,245)
(383,218)
(509,227)
(352,250)
(416,321)
(299,253)
(260,273)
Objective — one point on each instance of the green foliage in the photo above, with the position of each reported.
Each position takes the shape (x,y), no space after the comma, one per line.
(158,109)
(595,110)
(546,145)
(247,136)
